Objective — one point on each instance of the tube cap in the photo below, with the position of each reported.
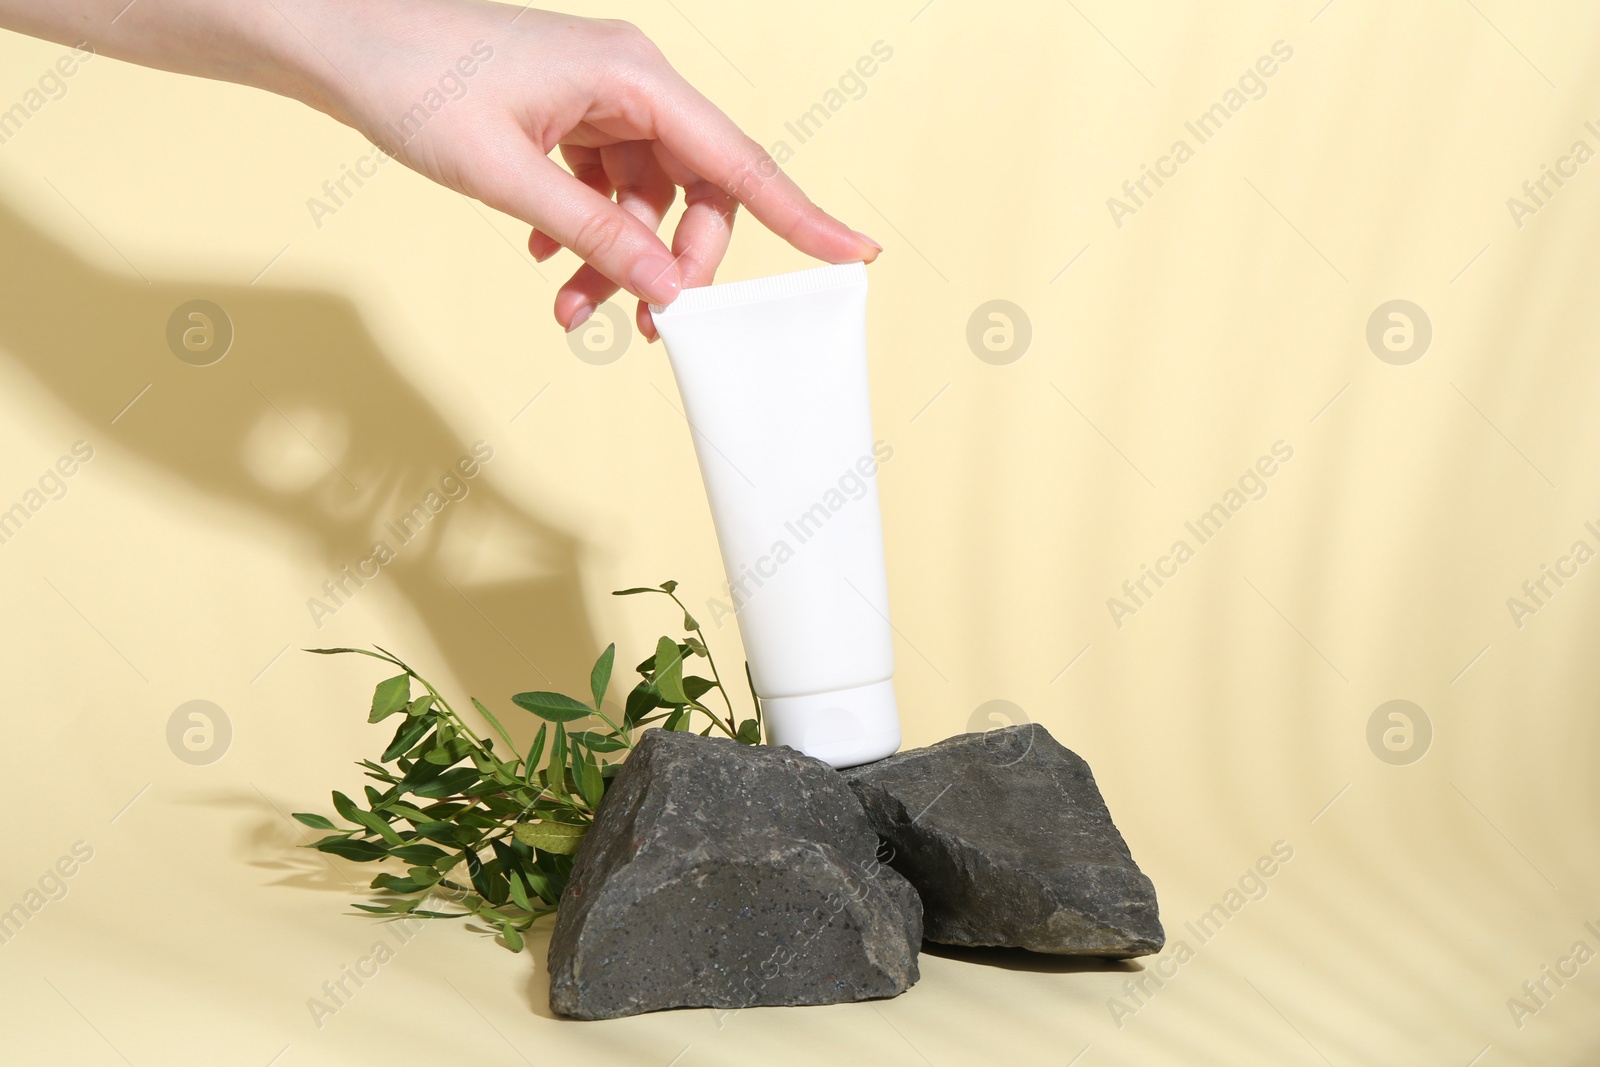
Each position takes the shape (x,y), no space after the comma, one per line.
(843,728)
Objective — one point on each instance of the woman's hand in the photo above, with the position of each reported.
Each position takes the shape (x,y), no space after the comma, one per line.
(476,96)
(630,128)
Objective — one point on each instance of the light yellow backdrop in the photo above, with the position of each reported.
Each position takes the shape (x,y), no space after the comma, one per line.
(1174,340)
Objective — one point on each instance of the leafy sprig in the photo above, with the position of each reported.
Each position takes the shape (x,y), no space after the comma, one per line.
(452,801)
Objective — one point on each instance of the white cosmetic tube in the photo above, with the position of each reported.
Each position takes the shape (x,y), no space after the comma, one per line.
(773,375)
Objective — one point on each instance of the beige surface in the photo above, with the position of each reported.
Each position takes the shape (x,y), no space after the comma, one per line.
(1229,713)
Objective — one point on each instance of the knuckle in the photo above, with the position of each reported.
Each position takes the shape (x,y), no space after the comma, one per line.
(600,236)
(630,39)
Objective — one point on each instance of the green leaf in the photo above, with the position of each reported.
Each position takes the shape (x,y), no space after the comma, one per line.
(669,586)
(419,774)
(416,852)
(535,750)
(376,824)
(696,647)
(590,783)
(479,877)
(519,891)
(600,676)
(420,705)
(357,651)
(668,678)
(449,783)
(641,701)
(424,876)
(695,687)
(614,592)
(556,770)
(346,807)
(689,623)
(600,741)
(360,851)
(391,695)
(562,838)
(448,754)
(378,909)
(489,716)
(415,815)
(678,720)
(316,822)
(749,732)
(442,832)
(541,885)
(395,884)
(552,706)
(513,939)
(411,731)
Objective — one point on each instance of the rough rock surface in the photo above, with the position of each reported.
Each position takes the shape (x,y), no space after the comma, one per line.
(1008,842)
(726,875)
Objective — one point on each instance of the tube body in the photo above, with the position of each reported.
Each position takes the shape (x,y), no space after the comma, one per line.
(773,375)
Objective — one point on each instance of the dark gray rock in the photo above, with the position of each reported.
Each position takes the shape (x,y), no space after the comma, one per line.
(1008,842)
(728,876)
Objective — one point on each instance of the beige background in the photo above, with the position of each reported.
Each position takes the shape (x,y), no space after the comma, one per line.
(1228,313)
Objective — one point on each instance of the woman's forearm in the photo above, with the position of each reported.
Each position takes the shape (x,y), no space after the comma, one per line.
(268,44)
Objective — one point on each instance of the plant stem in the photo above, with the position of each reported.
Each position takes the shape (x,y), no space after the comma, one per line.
(732,728)
(438,698)
(754,699)
(626,740)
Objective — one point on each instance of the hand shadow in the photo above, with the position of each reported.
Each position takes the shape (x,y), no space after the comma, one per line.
(305,428)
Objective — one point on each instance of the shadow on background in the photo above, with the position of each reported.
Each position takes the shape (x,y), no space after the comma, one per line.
(306,429)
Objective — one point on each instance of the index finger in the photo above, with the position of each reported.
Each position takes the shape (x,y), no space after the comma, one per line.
(697,132)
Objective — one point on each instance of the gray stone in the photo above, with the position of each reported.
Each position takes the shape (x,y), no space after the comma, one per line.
(1009,843)
(728,876)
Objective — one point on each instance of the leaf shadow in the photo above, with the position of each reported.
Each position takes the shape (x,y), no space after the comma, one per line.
(267,839)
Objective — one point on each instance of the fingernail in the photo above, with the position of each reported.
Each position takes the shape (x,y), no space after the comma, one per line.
(869,240)
(540,257)
(655,278)
(581,317)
